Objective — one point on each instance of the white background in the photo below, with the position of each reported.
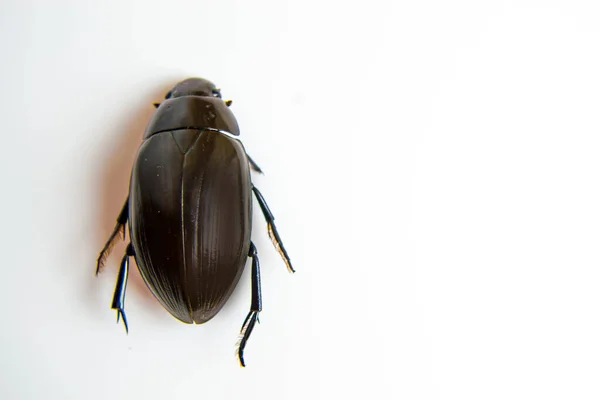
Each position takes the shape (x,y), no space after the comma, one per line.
(433,166)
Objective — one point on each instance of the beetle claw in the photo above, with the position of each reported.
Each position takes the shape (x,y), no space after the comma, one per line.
(245,334)
(121,313)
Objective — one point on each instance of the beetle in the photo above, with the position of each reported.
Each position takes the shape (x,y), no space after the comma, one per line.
(189,210)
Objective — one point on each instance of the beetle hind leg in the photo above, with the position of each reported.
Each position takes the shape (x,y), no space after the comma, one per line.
(255,307)
(118,302)
(273,234)
(119,229)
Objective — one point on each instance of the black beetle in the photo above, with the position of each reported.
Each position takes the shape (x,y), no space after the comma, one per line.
(190,210)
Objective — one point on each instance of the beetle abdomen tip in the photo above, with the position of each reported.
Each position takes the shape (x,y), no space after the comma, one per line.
(202,316)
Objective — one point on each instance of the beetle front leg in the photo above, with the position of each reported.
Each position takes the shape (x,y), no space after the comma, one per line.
(254,165)
(272,230)
(118,302)
(120,228)
(255,307)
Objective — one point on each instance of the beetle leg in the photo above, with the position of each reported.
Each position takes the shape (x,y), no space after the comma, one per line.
(273,234)
(255,307)
(120,228)
(254,165)
(118,302)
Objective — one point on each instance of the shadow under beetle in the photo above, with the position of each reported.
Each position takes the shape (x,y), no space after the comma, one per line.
(189,210)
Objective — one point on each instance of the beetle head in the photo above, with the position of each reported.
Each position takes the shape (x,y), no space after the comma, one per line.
(194,87)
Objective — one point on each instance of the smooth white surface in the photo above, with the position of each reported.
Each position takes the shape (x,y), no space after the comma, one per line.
(433,166)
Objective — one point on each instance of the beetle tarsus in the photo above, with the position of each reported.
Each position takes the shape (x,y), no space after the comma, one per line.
(118,302)
(273,234)
(119,229)
(255,307)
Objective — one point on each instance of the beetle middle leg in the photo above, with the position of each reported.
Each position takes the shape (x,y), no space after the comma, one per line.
(118,302)
(255,307)
(119,228)
(272,230)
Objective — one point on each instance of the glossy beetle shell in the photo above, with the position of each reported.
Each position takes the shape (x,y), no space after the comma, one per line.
(190,207)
